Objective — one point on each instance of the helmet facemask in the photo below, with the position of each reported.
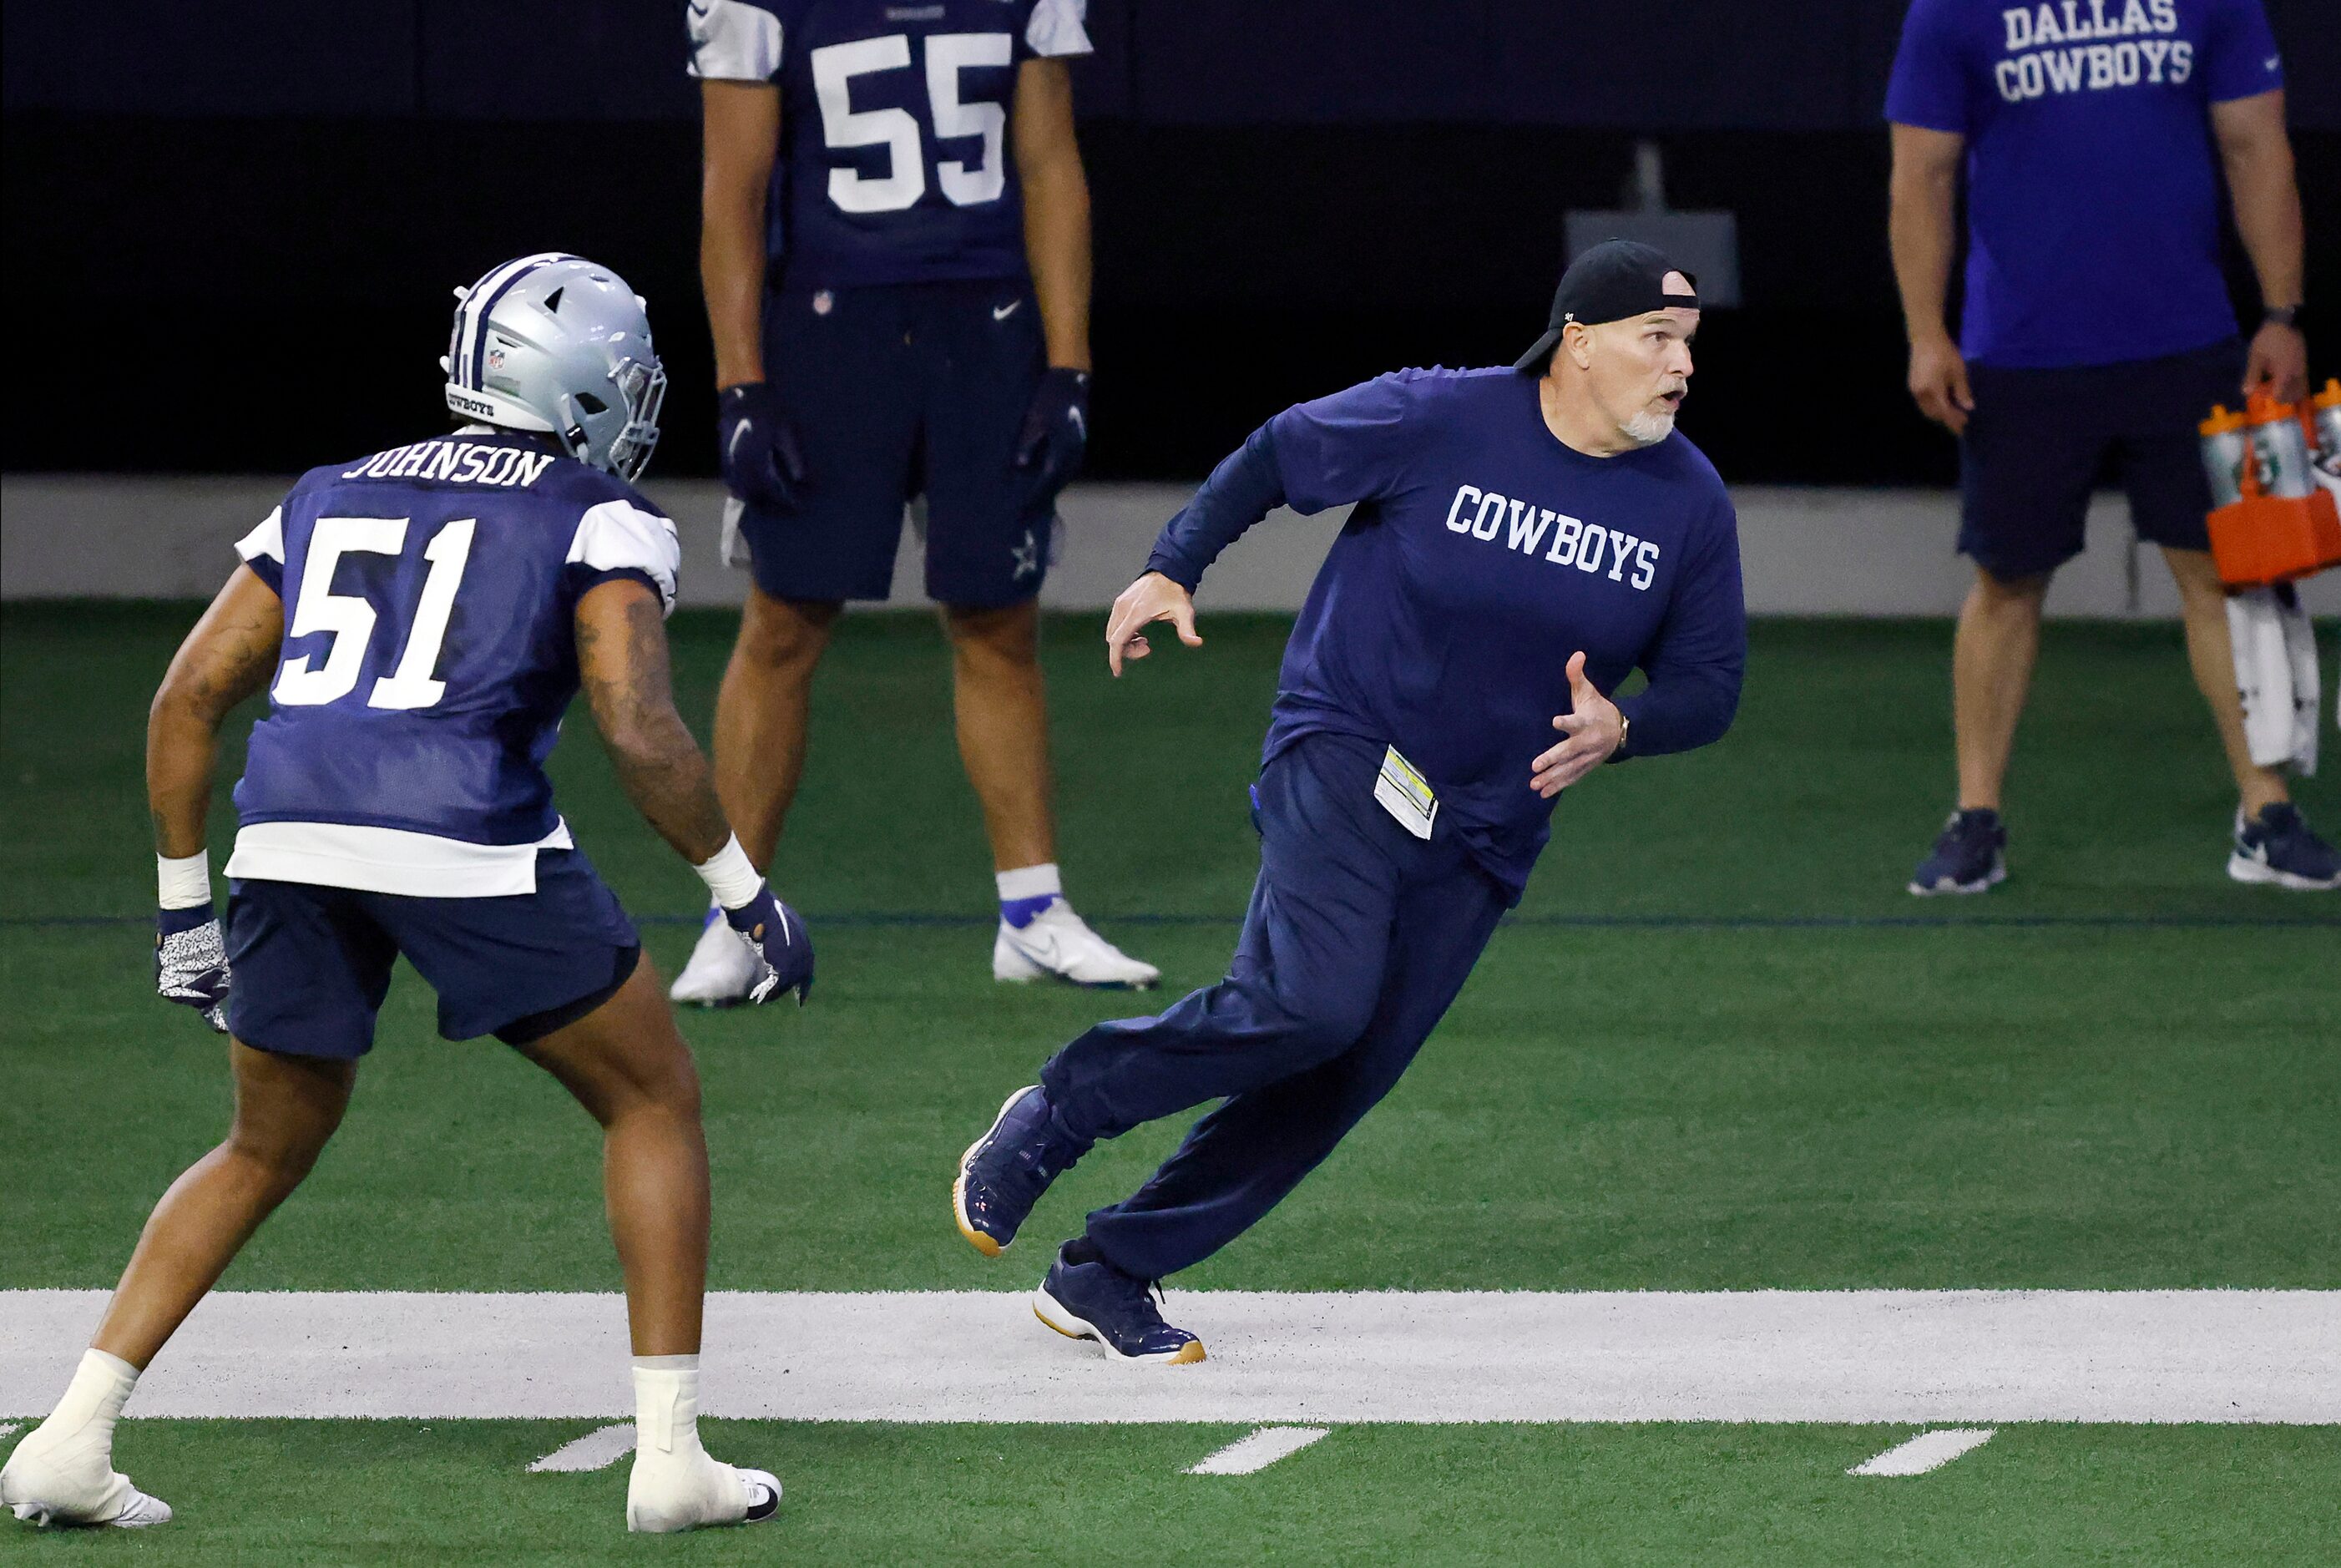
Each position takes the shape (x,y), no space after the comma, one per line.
(641,391)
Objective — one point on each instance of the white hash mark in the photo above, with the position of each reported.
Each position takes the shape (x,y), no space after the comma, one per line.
(1927,1451)
(597,1450)
(1258,1451)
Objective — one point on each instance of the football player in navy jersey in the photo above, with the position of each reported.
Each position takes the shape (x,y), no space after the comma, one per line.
(895,250)
(421,619)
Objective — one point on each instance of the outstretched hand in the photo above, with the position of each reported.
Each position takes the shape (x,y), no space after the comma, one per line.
(1594,728)
(1153,597)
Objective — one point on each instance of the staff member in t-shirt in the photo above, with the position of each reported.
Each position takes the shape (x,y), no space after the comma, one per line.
(1523,538)
(2096,327)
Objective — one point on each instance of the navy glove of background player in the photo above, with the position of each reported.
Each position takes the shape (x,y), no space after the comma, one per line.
(191,963)
(761,464)
(777,935)
(1056,429)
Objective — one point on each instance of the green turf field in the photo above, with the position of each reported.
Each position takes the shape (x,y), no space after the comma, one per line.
(1719,1048)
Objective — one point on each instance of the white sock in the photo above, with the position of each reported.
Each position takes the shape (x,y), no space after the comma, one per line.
(666,1407)
(1030,882)
(1027,890)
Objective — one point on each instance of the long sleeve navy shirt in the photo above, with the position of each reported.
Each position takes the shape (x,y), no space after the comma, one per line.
(1481,554)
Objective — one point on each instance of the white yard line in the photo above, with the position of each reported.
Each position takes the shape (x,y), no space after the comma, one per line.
(597,1450)
(1924,1357)
(1927,1451)
(1258,1451)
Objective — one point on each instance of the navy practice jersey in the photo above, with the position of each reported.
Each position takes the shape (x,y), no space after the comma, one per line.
(895,164)
(1481,554)
(429,655)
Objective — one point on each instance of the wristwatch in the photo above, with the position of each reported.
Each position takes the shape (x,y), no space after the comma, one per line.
(2286,315)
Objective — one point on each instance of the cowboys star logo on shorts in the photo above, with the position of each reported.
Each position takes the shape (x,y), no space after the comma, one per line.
(1027,555)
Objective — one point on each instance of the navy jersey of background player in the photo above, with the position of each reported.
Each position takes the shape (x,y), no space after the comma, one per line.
(894,164)
(429,655)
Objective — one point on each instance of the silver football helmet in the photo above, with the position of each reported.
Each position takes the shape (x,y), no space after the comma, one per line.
(555,343)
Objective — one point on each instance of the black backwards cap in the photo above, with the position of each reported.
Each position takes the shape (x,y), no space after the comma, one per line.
(1613,280)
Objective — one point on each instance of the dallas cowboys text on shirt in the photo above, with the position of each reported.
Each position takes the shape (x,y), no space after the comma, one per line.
(2084,63)
(1587,546)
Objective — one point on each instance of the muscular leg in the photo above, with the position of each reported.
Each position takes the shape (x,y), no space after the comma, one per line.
(286,1107)
(760,715)
(629,1067)
(1003,729)
(2209,651)
(1992,656)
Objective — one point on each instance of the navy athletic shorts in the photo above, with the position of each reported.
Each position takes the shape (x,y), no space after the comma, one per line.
(2039,441)
(310,965)
(898,391)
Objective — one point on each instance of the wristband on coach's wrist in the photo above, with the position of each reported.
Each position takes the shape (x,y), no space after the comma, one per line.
(184,882)
(2289,315)
(730,876)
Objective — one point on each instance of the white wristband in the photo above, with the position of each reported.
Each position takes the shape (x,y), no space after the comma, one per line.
(729,876)
(185,882)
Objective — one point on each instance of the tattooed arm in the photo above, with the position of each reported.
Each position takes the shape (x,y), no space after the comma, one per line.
(622,659)
(225,659)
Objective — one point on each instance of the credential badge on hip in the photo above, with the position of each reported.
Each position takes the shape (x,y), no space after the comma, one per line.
(1404,795)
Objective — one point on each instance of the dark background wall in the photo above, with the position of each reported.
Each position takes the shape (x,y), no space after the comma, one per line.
(232,226)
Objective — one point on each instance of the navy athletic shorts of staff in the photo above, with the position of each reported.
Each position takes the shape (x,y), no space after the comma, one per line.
(2276,486)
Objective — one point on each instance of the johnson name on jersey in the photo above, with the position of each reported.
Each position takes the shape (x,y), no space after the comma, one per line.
(894,164)
(429,655)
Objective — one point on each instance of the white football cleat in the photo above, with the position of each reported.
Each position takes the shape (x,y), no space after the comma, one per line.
(66,1482)
(723,969)
(669,1493)
(1059,942)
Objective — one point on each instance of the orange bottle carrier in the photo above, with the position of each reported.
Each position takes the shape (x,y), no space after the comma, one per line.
(2276,521)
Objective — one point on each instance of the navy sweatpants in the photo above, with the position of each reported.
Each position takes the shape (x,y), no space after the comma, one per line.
(1358,937)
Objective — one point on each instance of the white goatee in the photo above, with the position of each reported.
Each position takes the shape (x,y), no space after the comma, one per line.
(1650,427)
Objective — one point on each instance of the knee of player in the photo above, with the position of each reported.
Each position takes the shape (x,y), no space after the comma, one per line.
(1010,631)
(669,1090)
(280,1159)
(779,634)
(1321,1027)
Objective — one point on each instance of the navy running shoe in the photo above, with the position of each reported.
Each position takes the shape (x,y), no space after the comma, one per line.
(1086,1297)
(1004,1173)
(2277,846)
(1969,855)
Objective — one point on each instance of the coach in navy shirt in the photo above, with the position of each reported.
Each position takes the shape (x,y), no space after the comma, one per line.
(1521,539)
(2096,328)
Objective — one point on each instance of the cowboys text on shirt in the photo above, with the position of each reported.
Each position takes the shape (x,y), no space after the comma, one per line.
(1523,525)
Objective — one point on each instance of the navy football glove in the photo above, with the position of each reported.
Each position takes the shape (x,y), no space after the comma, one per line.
(1056,429)
(776,935)
(762,465)
(191,963)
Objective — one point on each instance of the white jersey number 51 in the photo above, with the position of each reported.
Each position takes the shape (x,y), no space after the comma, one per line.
(350,620)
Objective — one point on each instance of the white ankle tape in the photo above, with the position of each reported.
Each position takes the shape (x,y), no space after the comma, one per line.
(666,1404)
